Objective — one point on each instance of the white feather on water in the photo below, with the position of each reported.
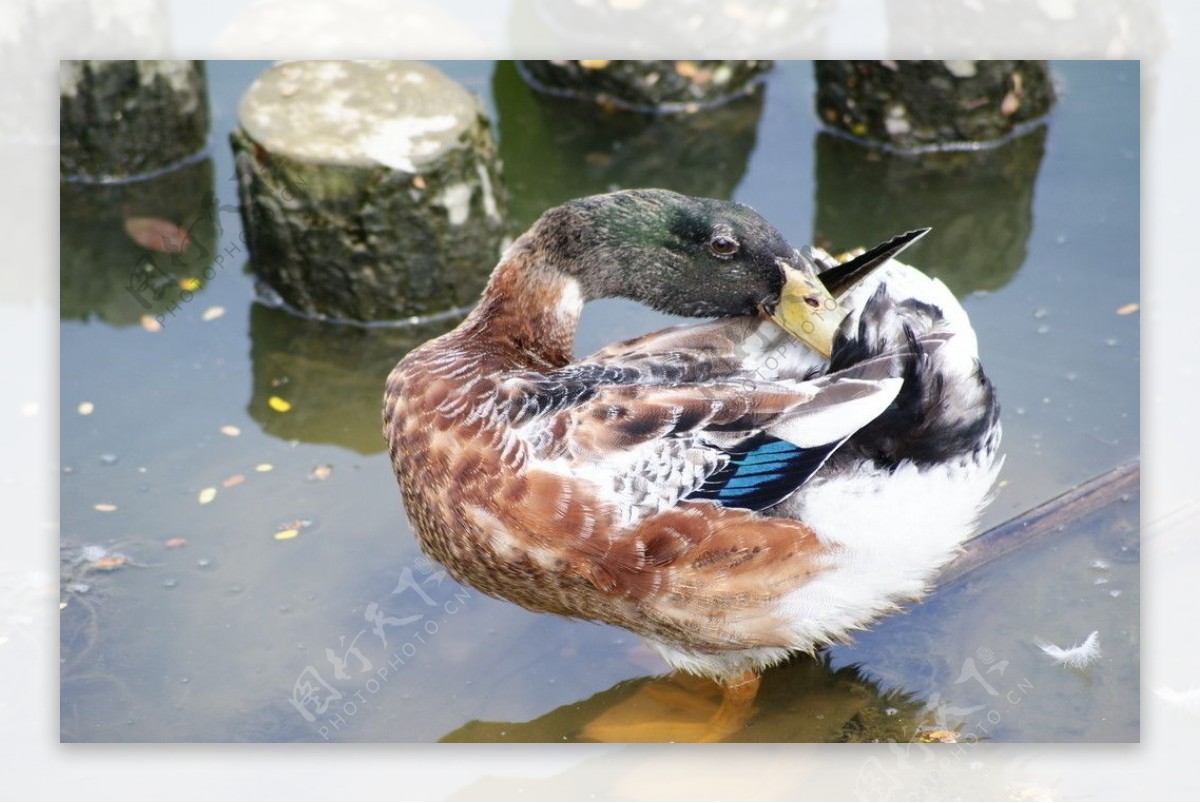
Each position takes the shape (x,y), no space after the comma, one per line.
(1077,657)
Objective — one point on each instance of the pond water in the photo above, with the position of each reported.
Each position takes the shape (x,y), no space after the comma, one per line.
(188,617)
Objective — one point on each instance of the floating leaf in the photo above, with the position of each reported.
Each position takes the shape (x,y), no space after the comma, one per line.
(189,284)
(286,535)
(150,324)
(594,64)
(175,543)
(86,408)
(320,473)
(1010,104)
(212,313)
(157,234)
(279,405)
(262,468)
(693,72)
(937,736)
(207,495)
(110,563)
(105,507)
(598,159)
(230,430)
(236,479)
(1127,309)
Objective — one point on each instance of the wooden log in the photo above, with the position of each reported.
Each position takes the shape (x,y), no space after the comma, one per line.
(126,118)
(1118,485)
(681,85)
(370,190)
(910,105)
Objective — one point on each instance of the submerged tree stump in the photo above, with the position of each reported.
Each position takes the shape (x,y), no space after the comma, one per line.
(911,105)
(646,85)
(370,190)
(125,118)
(979,203)
(144,250)
(555,149)
(329,373)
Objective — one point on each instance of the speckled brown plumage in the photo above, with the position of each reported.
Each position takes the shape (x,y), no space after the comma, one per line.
(697,574)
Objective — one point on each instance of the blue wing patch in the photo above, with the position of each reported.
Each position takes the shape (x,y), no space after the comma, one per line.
(763,471)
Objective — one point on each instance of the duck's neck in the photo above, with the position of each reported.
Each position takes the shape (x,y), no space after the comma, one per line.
(528,313)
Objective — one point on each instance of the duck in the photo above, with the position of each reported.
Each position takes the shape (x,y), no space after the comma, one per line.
(736,490)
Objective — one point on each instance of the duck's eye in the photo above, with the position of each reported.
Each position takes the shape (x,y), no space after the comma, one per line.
(723,246)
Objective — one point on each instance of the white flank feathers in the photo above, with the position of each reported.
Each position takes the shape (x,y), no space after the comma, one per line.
(1077,657)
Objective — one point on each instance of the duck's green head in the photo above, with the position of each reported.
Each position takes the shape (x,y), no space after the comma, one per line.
(697,257)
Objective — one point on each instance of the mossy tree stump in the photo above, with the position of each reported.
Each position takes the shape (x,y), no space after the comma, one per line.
(680,85)
(910,105)
(369,190)
(125,118)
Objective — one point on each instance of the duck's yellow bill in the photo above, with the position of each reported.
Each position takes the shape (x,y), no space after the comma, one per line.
(808,311)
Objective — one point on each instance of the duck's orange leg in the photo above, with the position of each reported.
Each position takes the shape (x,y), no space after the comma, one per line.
(680,708)
(737,707)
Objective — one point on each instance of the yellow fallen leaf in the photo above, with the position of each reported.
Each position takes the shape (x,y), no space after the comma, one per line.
(230,430)
(594,64)
(189,284)
(105,507)
(263,467)
(150,324)
(937,736)
(286,535)
(86,408)
(279,405)
(207,495)
(212,313)
(1127,309)
(693,72)
(686,68)
(236,479)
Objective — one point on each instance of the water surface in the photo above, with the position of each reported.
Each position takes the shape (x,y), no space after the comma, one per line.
(345,633)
